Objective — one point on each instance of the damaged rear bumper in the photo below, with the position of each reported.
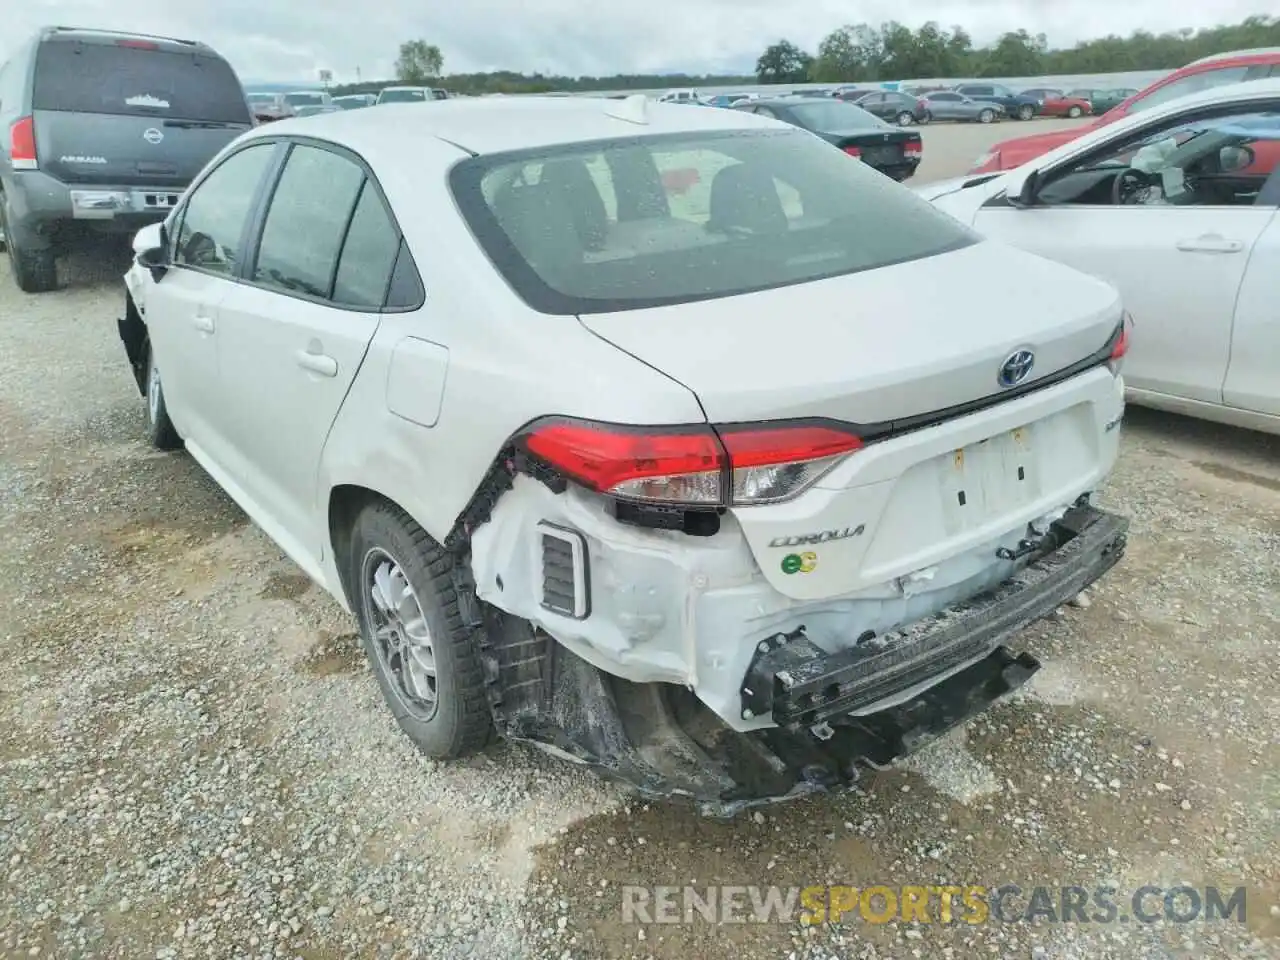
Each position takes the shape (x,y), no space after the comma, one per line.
(834,712)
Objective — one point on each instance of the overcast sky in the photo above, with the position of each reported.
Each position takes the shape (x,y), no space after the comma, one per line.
(291,40)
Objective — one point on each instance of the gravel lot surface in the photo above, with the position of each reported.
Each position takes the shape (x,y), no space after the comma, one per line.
(194,761)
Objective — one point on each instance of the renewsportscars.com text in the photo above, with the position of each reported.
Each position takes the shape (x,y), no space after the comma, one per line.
(932,903)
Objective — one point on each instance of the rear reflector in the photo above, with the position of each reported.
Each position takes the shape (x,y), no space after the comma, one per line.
(694,465)
(22,144)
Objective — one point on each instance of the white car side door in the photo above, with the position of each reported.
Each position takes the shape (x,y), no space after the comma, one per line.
(294,334)
(1176,247)
(1253,377)
(182,307)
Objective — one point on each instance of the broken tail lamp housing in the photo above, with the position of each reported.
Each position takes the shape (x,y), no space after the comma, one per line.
(692,466)
(1120,343)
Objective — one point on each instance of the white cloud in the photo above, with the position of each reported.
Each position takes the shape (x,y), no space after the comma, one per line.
(286,40)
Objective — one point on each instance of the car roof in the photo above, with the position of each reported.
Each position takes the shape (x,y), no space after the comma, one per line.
(493,125)
(105,37)
(1252,53)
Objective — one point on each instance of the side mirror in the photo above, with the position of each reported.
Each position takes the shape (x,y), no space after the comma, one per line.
(1026,191)
(150,249)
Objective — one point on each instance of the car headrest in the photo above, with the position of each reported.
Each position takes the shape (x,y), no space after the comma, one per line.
(744,197)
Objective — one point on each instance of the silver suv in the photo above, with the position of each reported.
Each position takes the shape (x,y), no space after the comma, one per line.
(103,131)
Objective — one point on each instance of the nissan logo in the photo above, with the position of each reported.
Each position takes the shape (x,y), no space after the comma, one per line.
(152,135)
(1016,368)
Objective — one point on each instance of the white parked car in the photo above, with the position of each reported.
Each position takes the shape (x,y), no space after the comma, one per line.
(1177,207)
(626,429)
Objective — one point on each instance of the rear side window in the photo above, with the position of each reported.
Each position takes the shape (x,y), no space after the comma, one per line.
(368,255)
(306,222)
(646,221)
(136,81)
(213,220)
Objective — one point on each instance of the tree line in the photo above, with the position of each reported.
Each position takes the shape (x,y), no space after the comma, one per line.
(861,52)
(892,51)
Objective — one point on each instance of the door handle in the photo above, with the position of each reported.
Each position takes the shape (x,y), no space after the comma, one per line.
(203,324)
(319,363)
(1210,243)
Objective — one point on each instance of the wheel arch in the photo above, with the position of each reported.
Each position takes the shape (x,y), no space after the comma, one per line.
(346,500)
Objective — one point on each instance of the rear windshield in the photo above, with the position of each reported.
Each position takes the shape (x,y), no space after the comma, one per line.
(645,221)
(835,115)
(400,96)
(136,82)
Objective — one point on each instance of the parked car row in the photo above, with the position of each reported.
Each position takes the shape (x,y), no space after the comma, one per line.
(1240,66)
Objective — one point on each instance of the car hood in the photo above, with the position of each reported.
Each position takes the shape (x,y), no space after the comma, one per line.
(1020,150)
(874,346)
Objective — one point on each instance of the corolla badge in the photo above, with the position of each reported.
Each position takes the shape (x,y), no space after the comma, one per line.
(152,135)
(1016,368)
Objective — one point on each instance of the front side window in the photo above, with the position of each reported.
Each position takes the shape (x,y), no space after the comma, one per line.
(646,221)
(305,224)
(1192,83)
(213,220)
(1222,160)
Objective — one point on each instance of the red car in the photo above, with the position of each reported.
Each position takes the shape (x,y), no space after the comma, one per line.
(1054,103)
(1223,68)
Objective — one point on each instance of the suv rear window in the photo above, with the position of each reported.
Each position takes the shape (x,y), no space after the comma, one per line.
(646,221)
(135,81)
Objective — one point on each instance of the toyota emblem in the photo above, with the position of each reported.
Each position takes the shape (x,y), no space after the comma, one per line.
(1016,368)
(152,135)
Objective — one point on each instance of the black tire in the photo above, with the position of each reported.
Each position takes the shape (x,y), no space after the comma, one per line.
(1074,112)
(986,116)
(905,118)
(34,270)
(458,722)
(160,429)
(1026,111)
(926,117)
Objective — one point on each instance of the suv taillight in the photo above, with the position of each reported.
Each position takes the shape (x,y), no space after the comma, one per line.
(695,465)
(22,144)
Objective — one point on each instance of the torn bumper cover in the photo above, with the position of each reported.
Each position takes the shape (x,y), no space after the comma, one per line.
(834,712)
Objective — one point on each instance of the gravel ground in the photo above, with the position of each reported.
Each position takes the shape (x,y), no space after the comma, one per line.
(194,761)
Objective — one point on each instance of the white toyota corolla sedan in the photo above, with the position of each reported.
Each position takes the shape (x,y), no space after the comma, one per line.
(674,441)
(1177,207)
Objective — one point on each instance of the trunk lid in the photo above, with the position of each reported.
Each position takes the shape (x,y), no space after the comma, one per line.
(925,508)
(877,346)
(132,112)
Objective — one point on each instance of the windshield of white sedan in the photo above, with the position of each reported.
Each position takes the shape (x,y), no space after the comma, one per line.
(623,224)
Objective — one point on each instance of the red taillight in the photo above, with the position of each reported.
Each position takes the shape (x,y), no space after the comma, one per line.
(913,149)
(638,463)
(138,44)
(1120,344)
(22,144)
(853,151)
(694,465)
